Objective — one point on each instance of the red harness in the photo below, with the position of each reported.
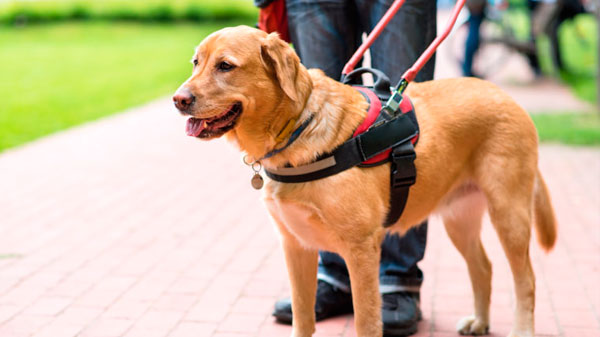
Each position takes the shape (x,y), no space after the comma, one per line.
(372,114)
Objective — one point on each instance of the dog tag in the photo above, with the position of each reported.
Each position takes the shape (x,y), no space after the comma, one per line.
(257,181)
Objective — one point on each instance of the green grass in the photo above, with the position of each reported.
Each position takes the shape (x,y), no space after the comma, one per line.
(60,75)
(569,128)
(35,11)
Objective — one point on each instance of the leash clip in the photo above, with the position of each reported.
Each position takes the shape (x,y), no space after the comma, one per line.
(393,104)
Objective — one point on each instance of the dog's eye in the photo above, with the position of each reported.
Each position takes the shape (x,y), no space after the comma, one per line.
(225,66)
(195,62)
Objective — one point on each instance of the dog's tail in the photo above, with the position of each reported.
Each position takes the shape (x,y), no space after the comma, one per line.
(544,218)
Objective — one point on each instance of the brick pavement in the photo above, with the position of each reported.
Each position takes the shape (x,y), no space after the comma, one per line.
(126,227)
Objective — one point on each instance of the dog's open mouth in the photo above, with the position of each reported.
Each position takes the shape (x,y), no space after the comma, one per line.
(214,126)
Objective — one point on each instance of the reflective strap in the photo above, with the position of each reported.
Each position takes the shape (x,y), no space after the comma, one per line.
(304,169)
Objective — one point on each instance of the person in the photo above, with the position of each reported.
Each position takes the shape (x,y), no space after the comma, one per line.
(325,34)
(476,16)
(547,17)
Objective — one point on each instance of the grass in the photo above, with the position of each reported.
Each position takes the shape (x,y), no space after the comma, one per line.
(36,11)
(569,128)
(60,75)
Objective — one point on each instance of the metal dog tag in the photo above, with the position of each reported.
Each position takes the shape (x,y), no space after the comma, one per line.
(257,181)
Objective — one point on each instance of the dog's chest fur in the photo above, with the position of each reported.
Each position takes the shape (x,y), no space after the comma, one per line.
(323,213)
(302,221)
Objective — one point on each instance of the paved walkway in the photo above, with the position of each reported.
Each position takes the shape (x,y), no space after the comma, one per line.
(126,227)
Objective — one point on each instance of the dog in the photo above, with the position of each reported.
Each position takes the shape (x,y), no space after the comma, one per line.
(477,150)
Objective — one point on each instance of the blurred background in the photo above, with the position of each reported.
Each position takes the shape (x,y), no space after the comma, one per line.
(64,62)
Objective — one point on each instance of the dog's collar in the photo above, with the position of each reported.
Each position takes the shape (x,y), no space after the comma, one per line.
(285,132)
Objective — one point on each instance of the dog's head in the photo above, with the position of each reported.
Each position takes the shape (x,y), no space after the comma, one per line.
(244,83)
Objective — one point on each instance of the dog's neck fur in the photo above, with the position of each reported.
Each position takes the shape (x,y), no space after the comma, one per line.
(332,111)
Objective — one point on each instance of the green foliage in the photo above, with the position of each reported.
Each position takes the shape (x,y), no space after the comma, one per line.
(569,128)
(37,11)
(579,41)
(59,75)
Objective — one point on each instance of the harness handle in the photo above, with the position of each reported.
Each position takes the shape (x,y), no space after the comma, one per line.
(381,83)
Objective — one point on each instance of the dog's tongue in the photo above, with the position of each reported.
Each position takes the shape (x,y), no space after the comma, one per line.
(194,126)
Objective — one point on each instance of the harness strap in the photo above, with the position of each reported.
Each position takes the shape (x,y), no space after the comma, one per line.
(403,176)
(352,152)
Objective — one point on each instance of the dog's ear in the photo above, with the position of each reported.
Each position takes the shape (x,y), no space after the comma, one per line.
(279,58)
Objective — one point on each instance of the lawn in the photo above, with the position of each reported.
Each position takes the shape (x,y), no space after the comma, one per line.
(569,128)
(59,75)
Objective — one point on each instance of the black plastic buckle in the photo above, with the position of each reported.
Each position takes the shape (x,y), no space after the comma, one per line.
(403,172)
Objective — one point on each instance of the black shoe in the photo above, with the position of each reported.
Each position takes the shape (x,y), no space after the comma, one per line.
(400,313)
(331,302)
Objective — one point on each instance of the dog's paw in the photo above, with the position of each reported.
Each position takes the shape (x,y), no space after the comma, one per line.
(472,326)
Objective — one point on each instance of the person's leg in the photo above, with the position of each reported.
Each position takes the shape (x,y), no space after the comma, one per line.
(476,16)
(532,57)
(407,35)
(404,39)
(399,257)
(472,42)
(324,33)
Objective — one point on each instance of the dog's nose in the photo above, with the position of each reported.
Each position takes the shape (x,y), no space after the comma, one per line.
(183,99)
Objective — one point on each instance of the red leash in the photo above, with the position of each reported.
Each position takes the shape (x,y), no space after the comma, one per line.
(410,74)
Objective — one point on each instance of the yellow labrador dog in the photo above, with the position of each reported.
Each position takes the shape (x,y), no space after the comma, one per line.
(477,151)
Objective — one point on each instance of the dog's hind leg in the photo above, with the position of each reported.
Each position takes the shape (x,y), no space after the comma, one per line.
(462,219)
(508,184)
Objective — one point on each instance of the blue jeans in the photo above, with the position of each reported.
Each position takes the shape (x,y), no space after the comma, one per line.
(325,34)
(472,42)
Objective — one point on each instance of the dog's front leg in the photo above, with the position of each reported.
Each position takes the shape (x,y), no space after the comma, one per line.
(302,269)
(362,260)
(302,265)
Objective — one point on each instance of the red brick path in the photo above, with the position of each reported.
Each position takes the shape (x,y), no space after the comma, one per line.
(127,227)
